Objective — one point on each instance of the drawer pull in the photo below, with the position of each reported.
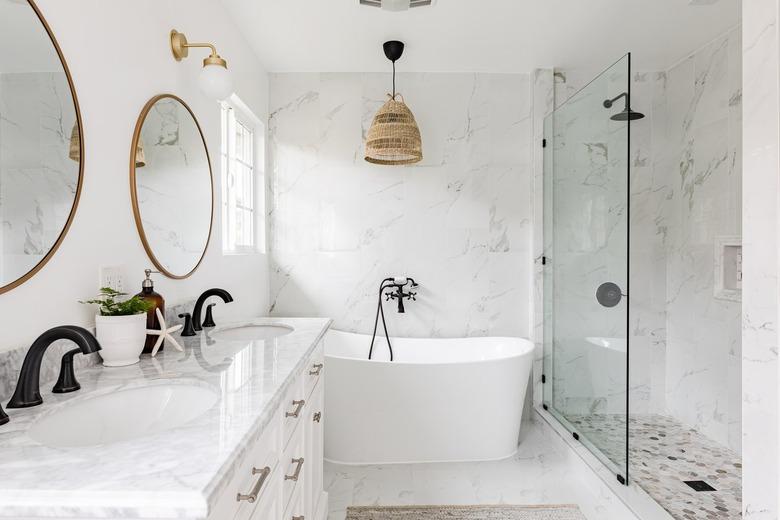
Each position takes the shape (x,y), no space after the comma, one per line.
(294,476)
(298,408)
(317,369)
(318,417)
(251,497)
(298,518)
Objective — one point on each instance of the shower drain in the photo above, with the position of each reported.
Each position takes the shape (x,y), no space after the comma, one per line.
(699,485)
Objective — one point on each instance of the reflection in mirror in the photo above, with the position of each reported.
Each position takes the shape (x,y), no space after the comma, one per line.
(170,177)
(40,144)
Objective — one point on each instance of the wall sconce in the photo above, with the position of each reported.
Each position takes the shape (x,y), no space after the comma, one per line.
(214,80)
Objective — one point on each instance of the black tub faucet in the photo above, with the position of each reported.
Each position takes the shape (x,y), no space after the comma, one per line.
(197,322)
(28,390)
(398,293)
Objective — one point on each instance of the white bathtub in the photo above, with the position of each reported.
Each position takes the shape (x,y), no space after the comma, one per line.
(440,400)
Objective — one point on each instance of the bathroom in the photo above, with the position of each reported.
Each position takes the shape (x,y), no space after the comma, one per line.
(555,297)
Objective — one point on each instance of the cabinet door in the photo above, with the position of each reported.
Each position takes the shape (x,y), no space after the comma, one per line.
(315,450)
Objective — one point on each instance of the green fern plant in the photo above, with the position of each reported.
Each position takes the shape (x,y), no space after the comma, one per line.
(111,304)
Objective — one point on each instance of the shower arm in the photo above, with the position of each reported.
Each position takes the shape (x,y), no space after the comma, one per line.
(609,102)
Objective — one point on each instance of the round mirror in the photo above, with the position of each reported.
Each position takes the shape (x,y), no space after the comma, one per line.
(41,145)
(171,185)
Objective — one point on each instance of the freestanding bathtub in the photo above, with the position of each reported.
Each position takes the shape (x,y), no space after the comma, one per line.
(440,400)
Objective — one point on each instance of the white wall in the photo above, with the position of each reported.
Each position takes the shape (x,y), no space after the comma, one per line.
(119,57)
(761,241)
(458,222)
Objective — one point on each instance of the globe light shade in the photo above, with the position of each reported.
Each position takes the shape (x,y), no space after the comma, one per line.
(215,82)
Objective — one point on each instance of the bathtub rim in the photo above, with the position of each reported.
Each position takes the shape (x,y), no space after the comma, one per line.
(525,341)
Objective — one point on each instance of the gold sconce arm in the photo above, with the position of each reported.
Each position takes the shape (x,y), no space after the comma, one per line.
(180,49)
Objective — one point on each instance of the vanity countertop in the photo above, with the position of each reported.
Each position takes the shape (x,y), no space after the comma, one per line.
(179,473)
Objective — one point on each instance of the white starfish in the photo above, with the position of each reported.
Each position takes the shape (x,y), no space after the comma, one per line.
(164,333)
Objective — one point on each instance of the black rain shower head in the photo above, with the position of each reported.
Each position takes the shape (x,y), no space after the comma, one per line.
(627,114)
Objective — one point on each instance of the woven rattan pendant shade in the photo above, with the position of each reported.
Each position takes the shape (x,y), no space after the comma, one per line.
(394,137)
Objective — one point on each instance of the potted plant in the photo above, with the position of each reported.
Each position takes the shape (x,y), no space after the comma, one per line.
(121,326)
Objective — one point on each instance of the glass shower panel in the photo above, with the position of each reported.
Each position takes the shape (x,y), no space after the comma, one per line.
(586,265)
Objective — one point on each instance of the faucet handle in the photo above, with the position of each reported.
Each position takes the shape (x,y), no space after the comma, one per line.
(67,381)
(209,320)
(413,296)
(3,416)
(188,328)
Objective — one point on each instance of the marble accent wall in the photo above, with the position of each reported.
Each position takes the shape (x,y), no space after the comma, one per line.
(700,157)
(761,241)
(459,222)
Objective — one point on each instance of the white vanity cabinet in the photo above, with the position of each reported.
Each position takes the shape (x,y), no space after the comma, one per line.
(281,478)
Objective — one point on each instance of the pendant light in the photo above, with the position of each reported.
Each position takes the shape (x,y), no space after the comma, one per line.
(394,137)
(74,150)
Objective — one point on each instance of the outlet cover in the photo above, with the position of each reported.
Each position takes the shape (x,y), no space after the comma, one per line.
(111,276)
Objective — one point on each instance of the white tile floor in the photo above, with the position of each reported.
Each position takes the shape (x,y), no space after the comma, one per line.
(540,473)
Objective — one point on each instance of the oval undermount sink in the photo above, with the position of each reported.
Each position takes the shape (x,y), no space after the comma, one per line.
(123,415)
(251,332)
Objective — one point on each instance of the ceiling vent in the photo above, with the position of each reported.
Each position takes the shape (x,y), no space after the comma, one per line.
(396,5)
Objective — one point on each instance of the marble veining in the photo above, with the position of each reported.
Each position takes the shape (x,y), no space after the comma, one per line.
(179,473)
(542,472)
(459,222)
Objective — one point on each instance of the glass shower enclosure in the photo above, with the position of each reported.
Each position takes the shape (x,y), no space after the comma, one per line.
(586,223)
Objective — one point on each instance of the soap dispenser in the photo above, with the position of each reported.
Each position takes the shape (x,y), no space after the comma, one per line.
(152,322)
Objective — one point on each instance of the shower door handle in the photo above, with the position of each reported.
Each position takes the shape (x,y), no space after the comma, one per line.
(609,294)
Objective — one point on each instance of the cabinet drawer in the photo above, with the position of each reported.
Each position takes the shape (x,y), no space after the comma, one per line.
(293,409)
(315,368)
(293,466)
(258,469)
(295,509)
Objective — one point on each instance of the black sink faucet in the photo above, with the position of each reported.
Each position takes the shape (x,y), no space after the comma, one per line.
(197,322)
(28,390)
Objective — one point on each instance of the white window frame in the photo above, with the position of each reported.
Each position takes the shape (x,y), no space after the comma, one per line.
(235,111)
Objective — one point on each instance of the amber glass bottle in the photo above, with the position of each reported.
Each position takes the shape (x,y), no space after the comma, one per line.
(152,322)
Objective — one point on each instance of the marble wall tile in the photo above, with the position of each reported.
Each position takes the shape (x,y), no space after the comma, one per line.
(760,227)
(459,222)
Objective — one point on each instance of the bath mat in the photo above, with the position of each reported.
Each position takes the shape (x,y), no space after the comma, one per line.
(500,512)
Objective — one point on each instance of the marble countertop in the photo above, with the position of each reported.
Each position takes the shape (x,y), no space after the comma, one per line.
(178,473)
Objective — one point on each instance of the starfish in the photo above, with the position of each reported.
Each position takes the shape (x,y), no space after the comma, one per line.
(164,333)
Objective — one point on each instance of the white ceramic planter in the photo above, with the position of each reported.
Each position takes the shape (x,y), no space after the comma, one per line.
(121,338)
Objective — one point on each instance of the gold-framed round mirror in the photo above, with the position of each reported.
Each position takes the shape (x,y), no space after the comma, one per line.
(41,144)
(171,186)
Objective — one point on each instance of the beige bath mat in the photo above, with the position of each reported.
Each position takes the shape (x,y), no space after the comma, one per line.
(501,512)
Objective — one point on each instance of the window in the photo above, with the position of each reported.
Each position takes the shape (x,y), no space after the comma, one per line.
(243,185)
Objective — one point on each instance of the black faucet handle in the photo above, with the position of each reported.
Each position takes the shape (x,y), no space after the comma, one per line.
(3,416)
(413,296)
(209,319)
(67,381)
(188,329)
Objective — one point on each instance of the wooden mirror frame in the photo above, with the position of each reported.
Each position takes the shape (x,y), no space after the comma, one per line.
(80,183)
(134,192)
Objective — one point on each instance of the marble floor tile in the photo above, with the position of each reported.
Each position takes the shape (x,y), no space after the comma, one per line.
(537,474)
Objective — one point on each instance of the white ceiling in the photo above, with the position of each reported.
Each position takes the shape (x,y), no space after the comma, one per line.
(26,44)
(479,35)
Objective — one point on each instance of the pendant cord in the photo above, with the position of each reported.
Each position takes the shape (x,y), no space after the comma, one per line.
(393,79)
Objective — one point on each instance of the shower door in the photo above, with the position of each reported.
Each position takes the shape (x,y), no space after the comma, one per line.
(586,266)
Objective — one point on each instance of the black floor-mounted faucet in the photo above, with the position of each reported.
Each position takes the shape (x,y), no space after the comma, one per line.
(28,390)
(197,321)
